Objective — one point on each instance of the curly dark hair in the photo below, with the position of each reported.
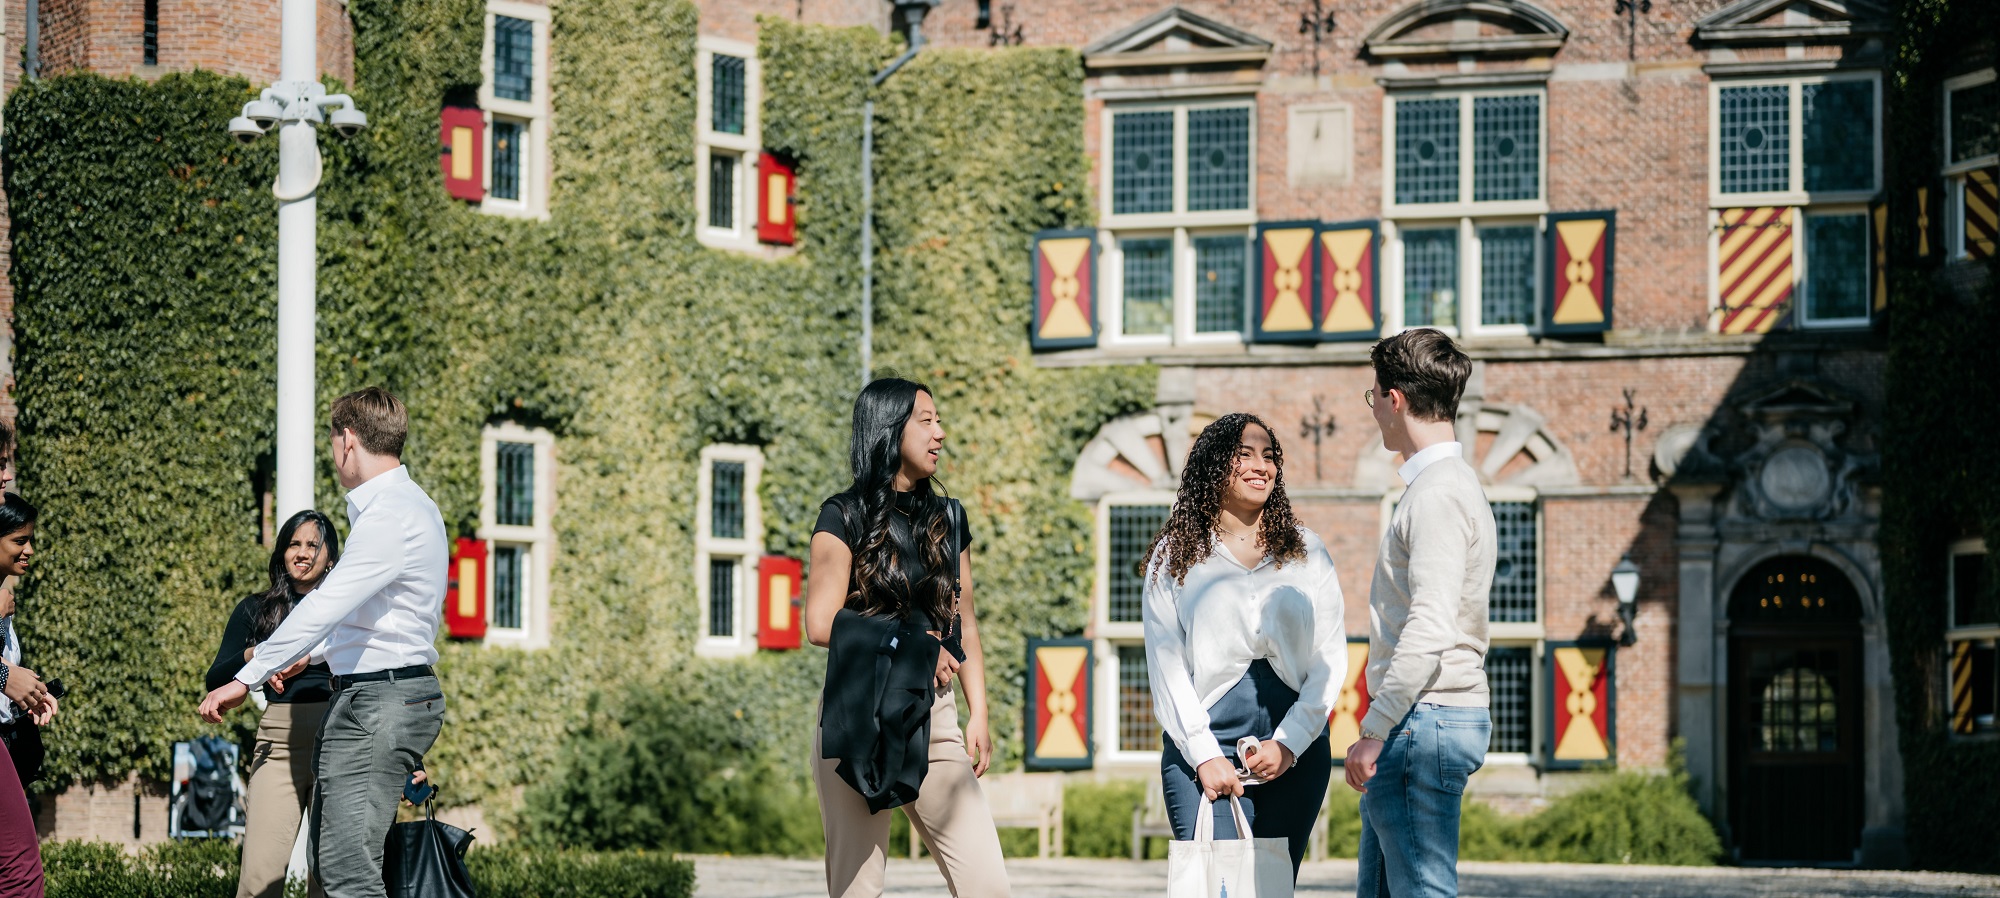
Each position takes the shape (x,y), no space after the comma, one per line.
(1189,533)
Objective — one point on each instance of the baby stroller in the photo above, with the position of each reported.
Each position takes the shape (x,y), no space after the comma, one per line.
(206,796)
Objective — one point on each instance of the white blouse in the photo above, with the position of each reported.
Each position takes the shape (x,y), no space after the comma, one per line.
(1203,634)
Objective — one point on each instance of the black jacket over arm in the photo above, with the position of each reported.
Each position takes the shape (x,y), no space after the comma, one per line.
(876,716)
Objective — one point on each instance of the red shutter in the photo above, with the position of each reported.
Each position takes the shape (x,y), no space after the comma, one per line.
(1583,713)
(1878,230)
(1287,303)
(777,181)
(1753,270)
(462,130)
(1343,724)
(778,588)
(1349,285)
(1064,314)
(1058,736)
(1576,285)
(465,590)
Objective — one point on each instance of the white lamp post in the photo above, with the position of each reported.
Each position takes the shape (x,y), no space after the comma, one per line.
(1625,581)
(294,105)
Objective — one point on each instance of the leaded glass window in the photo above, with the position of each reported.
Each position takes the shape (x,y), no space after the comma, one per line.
(1512,598)
(1149,286)
(508,136)
(514,484)
(1506,148)
(509,568)
(1507,275)
(725,502)
(726,97)
(1975,121)
(1430,276)
(722,190)
(1969,604)
(1142,162)
(1220,263)
(1132,530)
(1427,151)
(513,58)
(1218,159)
(1798,711)
(722,597)
(1138,728)
(1755,138)
(1839,122)
(1510,675)
(1836,281)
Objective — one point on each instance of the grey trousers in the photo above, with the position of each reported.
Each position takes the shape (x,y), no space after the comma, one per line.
(374,737)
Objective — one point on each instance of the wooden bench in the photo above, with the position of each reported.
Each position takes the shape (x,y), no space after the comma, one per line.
(1025,800)
(1149,818)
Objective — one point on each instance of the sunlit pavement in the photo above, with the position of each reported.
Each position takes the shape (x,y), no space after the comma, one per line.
(750,877)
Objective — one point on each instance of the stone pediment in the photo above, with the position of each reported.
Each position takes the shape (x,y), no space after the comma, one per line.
(1466,27)
(1176,37)
(1763,21)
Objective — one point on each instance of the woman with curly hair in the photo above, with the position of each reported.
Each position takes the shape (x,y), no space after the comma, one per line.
(1246,641)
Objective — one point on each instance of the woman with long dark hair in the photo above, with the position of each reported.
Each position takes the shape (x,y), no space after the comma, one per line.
(281,765)
(1246,641)
(894,548)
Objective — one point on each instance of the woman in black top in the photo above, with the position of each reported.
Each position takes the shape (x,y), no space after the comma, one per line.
(893,545)
(281,771)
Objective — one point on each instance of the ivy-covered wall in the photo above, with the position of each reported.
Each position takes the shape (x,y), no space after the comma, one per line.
(144,244)
(1939,458)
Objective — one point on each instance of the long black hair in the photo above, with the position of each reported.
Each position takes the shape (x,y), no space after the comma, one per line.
(15,514)
(277,601)
(879,584)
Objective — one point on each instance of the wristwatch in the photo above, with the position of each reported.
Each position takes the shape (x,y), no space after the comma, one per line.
(1366,733)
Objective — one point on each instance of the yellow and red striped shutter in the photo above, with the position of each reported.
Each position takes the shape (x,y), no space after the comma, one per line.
(1582,709)
(1058,734)
(1343,725)
(1287,307)
(1753,270)
(1964,718)
(1064,315)
(1982,212)
(1576,296)
(1878,229)
(1349,281)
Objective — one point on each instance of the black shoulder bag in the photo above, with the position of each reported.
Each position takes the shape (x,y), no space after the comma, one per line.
(953,631)
(426,859)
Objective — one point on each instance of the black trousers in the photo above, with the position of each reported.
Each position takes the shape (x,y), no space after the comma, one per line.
(1286,807)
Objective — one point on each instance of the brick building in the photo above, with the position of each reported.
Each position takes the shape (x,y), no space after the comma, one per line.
(1655,233)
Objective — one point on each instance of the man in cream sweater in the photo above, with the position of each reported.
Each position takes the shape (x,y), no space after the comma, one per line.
(1427,725)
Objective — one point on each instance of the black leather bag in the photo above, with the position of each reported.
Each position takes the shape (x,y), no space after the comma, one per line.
(24,747)
(426,859)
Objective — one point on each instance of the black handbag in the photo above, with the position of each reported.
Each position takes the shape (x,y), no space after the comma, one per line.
(24,747)
(426,859)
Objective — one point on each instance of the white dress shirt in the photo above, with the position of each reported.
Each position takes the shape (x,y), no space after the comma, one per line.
(10,648)
(1203,634)
(378,608)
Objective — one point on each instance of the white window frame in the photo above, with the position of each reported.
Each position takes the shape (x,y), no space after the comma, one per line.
(1961,548)
(745,147)
(538,538)
(1802,265)
(1797,195)
(1111,635)
(1954,172)
(1471,291)
(533,113)
(1179,225)
(744,551)
(1465,207)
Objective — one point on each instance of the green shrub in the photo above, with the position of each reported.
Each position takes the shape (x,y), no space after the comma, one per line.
(519,872)
(1631,818)
(195,868)
(1097,818)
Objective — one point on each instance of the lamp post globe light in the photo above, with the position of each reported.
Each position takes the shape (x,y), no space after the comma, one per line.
(1625,582)
(294,105)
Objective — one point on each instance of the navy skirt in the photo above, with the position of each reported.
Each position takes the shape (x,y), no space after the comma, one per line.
(1285,807)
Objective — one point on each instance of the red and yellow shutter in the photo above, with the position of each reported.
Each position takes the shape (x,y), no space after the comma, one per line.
(1349,280)
(1753,270)
(1581,254)
(1964,719)
(1058,735)
(1287,307)
(1878,230)
(465,590)
(1582,707)
(1982,212)
(1343,726)
(462,130)
(1065,305)
(777,180)
(778,584)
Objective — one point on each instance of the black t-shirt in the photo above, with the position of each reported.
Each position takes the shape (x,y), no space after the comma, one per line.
(835,512)
(314,684)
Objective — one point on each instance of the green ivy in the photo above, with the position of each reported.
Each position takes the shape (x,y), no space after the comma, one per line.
(144,277)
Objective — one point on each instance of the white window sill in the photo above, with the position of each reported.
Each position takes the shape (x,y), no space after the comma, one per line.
(709,647)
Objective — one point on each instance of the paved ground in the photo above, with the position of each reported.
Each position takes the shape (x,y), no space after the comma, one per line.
(736,877)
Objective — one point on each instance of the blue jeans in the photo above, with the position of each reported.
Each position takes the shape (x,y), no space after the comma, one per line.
(1283,808)
(1409,815)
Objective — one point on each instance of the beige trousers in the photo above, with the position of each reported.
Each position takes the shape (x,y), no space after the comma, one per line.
(950,813)
(281,782)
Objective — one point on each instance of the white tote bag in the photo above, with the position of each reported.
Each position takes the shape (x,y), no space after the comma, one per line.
(1244,867)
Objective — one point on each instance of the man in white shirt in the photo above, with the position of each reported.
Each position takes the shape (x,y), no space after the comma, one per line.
(377,611)
(1427,724)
